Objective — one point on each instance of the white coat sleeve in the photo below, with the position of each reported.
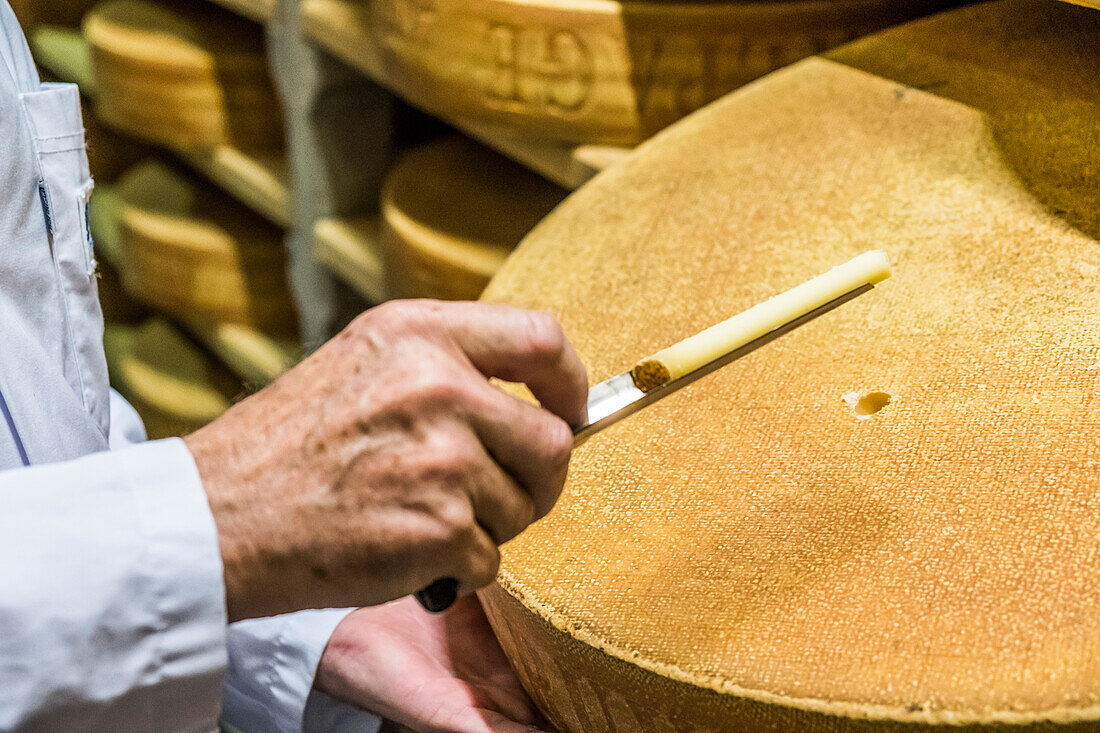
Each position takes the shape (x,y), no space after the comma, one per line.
(126,425)
(272,663)
(112,607)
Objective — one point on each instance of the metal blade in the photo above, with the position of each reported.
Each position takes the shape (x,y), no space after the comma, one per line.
(616,398)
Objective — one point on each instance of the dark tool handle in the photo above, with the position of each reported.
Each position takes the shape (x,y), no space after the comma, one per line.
(439,595)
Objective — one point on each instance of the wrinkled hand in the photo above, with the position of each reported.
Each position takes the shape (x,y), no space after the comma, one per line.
(387,459)
(435,673)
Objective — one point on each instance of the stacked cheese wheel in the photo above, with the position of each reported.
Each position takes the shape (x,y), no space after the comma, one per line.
(452,211)
(195,253)
(173,385)
(749,554)
(186,73)
(608,71)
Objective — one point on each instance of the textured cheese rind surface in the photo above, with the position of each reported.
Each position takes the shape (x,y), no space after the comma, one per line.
(750,539)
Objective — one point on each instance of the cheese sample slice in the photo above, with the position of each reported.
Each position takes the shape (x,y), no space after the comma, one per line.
(869,268)
(452,212)
(588,71)
(186,73)
(754,554)
(196,253)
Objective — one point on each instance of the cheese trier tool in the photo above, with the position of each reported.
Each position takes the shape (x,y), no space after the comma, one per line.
(671,369)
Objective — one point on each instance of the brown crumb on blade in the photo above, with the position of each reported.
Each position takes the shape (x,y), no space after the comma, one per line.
(649,374)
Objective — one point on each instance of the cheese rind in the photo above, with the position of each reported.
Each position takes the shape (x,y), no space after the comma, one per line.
(869,268)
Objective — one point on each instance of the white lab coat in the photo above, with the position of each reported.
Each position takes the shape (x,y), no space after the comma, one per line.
(112,609)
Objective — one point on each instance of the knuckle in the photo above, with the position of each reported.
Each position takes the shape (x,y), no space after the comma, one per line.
(452,455)
(523,516)
(484,566)
(455,521)
(404,314)
(396,312)
(557,444)
(439,388)
(545,337)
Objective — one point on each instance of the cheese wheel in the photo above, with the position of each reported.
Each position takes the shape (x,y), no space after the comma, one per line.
(452,211)
(194,252)
(765,551)
(596,71)
(187,74)
(175,387)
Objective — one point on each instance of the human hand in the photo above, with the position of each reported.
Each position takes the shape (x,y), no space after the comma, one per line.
(387,460)
(435,673)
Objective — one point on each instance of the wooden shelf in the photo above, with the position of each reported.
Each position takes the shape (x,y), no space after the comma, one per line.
(351,248)
(260,181)
(342,28)
(253,356)
(258,10)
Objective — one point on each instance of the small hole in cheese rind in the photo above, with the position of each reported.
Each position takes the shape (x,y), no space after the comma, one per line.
(866,404)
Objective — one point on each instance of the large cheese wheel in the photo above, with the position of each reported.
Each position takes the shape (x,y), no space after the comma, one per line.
(186,73)
(599,70)
(452,211)
(175,387)
(193,251)
(751,555)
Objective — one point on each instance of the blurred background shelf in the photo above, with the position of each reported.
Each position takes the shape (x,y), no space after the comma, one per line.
(258,10)
(352,249)
(256,358)
(258,179)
